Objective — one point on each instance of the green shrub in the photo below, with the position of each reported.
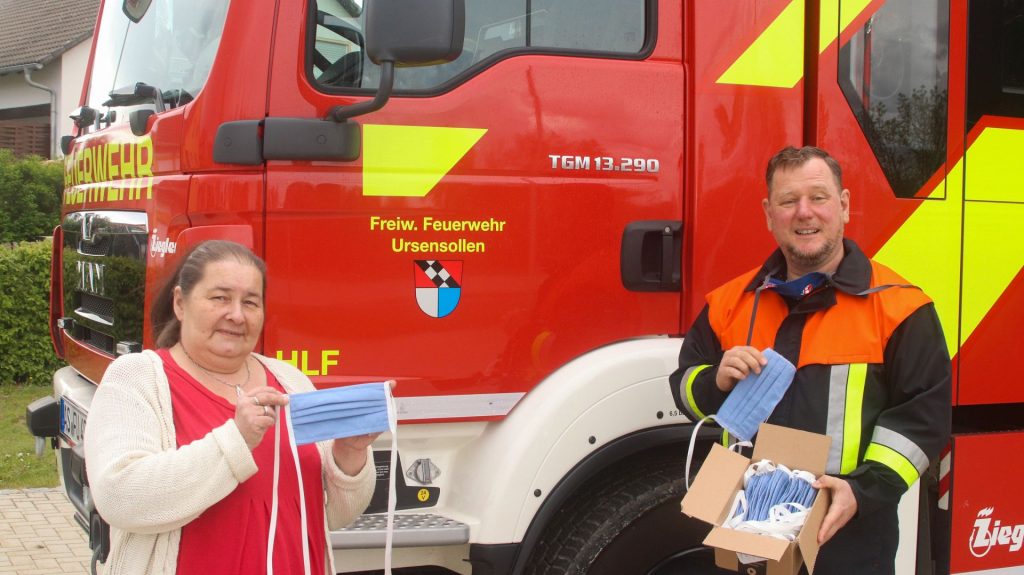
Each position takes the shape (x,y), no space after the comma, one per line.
(26,354)
(30,191)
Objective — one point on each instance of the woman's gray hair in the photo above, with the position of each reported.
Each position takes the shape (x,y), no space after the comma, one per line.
(165,325)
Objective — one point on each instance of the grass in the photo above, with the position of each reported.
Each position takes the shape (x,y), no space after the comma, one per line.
(19,466)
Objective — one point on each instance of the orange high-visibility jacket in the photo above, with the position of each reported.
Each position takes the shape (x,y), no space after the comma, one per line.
(873,371)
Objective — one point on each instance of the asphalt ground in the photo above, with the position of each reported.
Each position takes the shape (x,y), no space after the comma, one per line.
(39,536)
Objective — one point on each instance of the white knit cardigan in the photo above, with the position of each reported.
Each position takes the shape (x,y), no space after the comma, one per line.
(147,488)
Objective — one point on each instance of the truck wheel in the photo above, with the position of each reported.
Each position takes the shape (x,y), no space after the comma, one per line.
(626,520)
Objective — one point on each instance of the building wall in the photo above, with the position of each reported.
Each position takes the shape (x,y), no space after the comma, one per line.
(64,76)
(16,93)
(73,64)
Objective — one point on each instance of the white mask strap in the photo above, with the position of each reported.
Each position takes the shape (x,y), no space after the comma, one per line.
(392,492)
(689,451)
(302,492)
(274,499)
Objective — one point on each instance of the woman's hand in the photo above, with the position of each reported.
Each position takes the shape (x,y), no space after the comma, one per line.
(254,413)
(350,452)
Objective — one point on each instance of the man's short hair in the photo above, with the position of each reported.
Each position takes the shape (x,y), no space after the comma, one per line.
(789,158)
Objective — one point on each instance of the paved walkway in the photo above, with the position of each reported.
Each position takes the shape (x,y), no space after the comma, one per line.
(38,534)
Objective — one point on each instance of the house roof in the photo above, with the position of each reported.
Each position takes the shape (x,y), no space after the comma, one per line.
(36,32)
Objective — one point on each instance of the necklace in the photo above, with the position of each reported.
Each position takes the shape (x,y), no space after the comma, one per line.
(238,388)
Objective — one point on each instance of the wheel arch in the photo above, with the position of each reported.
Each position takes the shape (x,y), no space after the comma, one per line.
(607,458)
(578,411)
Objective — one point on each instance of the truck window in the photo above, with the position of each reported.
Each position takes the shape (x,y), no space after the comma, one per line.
(995,61)
(894,73)
(495,29)
(172,48)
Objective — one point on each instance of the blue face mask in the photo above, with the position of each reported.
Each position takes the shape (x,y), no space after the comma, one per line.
(799,287)
(756,487)
(329,414)
(338,412)
(754,398)
(760,500)
(792,493)
(777,487)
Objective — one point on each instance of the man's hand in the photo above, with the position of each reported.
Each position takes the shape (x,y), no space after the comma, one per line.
(842,509)
(736,364)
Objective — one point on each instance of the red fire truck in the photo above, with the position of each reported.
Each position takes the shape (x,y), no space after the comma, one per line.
(520,232)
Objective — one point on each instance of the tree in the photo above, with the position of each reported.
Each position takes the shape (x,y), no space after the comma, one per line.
(30,192)
(910,142)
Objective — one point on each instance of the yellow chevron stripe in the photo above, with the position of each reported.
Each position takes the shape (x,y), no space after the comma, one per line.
(994,166)
(993,252)
(926,248)
(926,251)
(833,11)
(408,161)
(993,235)
(775,58)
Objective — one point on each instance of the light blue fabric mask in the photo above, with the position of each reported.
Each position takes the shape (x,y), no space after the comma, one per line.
(330,414)
(787,489)
(755,490)
(770,494)
(799,287)
(754,398)
(338,412)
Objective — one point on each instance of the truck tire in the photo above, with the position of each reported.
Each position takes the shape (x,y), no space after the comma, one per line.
(626,521)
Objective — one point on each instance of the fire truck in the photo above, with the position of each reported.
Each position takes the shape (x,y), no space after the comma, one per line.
(516,208)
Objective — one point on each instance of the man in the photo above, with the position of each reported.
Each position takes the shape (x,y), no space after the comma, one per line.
(872,366)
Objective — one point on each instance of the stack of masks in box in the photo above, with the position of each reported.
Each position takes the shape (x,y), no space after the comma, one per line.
(774,500)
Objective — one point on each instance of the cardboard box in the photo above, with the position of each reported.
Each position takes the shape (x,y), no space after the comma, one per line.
(721,476)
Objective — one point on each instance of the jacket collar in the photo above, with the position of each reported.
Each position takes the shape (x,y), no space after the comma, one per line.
(852,277)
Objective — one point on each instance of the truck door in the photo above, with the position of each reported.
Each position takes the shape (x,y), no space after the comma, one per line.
(475,244)
(993,251)
(939,190)
(935,89)
(897,88)
(986,513)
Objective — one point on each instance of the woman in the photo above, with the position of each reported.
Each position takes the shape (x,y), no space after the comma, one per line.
(178,453)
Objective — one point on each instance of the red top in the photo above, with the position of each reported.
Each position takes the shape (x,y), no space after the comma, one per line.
(231,535)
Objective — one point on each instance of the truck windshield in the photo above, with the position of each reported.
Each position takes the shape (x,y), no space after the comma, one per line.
(172,47)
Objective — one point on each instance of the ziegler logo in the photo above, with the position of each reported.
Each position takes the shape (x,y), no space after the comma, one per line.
(987,534)
(158,247)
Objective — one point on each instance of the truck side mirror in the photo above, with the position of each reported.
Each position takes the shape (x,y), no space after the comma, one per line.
(407,33)
(135,9)
(415,33)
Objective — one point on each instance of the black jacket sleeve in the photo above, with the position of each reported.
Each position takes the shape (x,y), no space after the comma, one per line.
(915,425)
(693,384)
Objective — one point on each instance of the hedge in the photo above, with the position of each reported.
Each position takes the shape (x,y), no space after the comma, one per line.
(26,353)
(30,191)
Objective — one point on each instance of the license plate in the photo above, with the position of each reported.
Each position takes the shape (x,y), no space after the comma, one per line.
(72,422)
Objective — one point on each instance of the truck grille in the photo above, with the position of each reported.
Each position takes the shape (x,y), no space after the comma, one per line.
(104,267)
(98,306)
(98,247)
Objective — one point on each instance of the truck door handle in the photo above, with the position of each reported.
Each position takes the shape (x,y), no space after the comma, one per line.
(651,258)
